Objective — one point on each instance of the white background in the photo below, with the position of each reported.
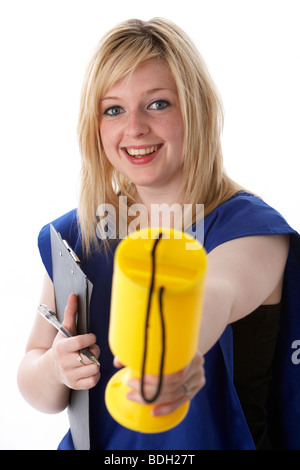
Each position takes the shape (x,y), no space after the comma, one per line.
(252,51)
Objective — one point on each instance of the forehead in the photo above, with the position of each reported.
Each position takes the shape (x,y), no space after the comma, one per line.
(149,75)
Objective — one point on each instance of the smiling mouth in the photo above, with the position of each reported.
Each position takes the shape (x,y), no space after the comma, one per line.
(141,152)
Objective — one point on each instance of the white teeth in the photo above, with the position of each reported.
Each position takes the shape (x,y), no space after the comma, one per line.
(139,153)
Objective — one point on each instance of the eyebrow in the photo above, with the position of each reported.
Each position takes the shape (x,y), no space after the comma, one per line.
(148,92)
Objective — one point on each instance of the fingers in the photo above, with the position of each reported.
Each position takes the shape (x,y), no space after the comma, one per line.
(177,388)
(76,343)
(75,374)
(192,380)
(83,377)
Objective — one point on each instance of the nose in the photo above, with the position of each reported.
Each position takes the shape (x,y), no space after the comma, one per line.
(137,124)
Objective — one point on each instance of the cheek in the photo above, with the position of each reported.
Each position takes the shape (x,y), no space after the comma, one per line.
(173,129)
(107,145)
(108,138)
(176,135)
(103,133)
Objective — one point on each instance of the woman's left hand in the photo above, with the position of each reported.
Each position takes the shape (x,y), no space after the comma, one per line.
(177,388)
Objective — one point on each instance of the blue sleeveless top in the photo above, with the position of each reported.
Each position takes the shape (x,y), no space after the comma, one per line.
(215,419)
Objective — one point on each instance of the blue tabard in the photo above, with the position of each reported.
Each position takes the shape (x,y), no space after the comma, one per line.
(215,419)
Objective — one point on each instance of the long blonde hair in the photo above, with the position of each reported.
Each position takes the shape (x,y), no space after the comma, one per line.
(119,52)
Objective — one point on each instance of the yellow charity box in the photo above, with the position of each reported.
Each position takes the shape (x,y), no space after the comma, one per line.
(156,304)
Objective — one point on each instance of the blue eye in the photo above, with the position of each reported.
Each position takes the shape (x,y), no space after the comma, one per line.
(113,111)
(159,104)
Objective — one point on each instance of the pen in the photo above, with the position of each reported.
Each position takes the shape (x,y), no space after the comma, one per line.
(50,316)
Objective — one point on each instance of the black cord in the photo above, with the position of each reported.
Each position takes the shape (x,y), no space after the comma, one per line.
(161,290)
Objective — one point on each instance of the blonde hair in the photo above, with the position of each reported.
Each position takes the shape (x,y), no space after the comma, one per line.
(119,52)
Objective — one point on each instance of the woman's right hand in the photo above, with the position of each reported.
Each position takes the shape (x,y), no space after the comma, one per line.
(75,374)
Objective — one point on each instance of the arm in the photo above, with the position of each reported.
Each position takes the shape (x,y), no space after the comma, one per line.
(49,368)
(242,274)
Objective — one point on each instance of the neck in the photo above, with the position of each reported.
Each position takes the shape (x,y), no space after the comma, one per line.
(163,207)
(165,195)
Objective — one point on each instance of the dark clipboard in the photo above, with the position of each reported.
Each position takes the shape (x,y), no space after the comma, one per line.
(68,278)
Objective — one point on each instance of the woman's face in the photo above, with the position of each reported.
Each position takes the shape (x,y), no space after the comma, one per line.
(142,130)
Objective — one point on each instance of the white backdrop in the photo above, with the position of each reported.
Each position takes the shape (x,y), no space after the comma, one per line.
(252,51)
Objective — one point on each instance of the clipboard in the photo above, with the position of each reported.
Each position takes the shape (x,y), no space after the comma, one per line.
(68,278)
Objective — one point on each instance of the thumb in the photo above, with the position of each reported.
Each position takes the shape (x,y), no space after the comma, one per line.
(69,322)
(117,363)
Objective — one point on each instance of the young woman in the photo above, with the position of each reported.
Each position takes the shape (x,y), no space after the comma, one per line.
(149,129)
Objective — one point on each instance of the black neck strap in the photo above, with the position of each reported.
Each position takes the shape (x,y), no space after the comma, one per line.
(161,289)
